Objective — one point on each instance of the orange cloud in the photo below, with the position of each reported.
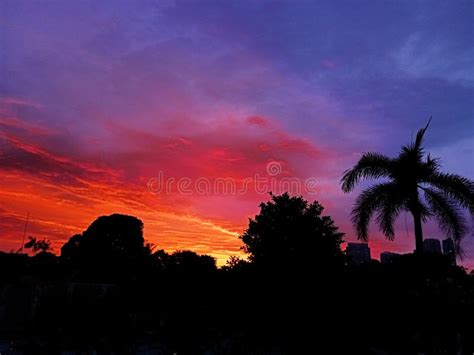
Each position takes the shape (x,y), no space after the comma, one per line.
(65,192)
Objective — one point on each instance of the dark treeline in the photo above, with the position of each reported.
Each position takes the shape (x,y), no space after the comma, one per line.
(297,293)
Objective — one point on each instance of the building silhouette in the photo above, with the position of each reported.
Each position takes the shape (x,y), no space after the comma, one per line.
(387,257)
(449,250)
(432,246)
(358,253)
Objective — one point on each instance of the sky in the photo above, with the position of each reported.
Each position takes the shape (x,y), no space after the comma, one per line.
(104,102)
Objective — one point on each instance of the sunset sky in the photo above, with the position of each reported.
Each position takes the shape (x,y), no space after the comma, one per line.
(100,98)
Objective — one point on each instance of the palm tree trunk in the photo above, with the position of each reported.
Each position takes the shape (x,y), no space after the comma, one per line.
(418,232)
(415,211)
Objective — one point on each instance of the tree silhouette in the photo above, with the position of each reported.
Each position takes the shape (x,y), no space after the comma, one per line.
(415,184)
(117,235)
(187,261)
(112,247)
(114,293)
(289,233)
(38,246)
(70,248)
(234,263)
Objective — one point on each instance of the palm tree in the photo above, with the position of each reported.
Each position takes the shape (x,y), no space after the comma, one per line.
(37,245)
(413,183)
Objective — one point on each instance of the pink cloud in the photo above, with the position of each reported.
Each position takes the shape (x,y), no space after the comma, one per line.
(258,121)
(15,101)
(14,123)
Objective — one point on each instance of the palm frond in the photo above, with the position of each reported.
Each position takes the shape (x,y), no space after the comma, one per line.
(415,149)
(369,201)
(429,167)
(370,165)
(389,212)
(30,243)
(420,134)
(457,187)
(448,215)
(432,163)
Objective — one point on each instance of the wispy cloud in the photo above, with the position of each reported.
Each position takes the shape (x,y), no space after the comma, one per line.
(422,57)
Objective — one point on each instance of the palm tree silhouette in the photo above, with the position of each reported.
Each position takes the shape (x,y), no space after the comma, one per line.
(415,184)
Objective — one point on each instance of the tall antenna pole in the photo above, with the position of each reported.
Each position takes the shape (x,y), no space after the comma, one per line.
(24,232)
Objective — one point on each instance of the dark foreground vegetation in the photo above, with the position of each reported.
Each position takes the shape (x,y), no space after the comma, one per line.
(109,292)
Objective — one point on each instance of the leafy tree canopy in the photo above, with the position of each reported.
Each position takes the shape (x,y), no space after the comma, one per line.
(290,232)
